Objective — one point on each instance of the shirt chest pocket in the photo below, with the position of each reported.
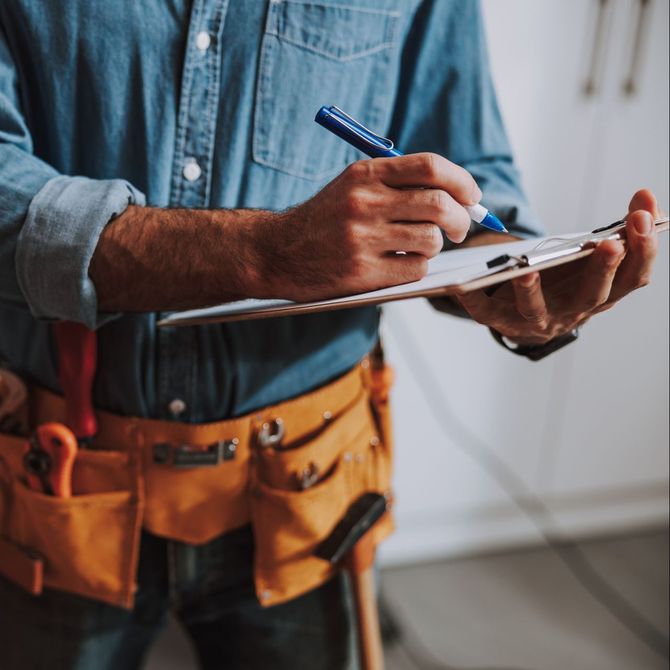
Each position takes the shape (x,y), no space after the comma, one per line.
(321,53)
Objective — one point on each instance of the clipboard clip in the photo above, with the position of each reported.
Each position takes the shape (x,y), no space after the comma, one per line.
(531,258)
(565,246)
(505,261)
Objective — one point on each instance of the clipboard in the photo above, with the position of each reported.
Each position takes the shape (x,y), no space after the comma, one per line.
(451,272)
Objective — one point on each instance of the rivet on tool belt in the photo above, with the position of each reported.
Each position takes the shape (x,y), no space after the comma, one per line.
(189,456)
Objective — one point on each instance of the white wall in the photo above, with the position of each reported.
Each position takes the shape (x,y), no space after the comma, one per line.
(586,430)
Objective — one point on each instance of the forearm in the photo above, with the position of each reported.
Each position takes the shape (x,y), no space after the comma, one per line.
(152,259)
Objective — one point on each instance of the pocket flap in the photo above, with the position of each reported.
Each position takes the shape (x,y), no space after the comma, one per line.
(342,32)
(21,566)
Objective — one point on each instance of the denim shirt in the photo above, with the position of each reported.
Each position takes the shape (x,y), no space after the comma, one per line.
(210,104)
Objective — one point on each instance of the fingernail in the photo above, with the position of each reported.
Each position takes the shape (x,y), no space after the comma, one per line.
(643,224)
(476,194)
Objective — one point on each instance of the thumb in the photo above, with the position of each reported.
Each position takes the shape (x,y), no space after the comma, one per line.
(644,199)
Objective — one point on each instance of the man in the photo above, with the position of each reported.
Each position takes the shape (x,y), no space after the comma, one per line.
(203,179)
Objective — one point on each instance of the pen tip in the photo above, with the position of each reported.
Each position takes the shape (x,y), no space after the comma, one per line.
(492,222)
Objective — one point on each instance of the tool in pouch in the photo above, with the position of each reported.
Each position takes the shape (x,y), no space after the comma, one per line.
(351,545)
(50,456)
(49,459)
(270,435)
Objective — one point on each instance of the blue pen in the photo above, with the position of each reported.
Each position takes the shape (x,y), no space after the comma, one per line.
(375,146)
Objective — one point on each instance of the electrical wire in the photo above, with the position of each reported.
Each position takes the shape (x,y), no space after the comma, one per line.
(525,500)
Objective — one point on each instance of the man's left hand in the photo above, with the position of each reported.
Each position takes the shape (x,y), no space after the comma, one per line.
(538,307)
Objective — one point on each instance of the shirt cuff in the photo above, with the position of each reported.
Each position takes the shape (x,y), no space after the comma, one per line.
(57,241)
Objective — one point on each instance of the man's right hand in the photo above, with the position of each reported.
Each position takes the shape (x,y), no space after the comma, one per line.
(344,239)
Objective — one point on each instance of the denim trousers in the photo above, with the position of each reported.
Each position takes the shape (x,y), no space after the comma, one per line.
(209,589)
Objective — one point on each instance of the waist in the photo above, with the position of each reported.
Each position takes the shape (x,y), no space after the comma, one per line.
(216,371)
(289,422)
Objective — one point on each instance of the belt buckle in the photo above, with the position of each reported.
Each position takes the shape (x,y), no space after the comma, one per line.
(188,456)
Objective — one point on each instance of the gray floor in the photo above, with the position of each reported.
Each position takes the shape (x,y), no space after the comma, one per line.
(521,610)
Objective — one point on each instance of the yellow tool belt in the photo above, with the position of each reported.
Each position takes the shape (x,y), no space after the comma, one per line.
(290,470)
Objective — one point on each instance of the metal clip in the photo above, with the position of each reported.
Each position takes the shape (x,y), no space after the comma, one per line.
(356,127)
(270,436)
(309,476)
(189,456)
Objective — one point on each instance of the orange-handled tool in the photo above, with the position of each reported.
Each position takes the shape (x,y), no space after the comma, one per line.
(77,359)
(49,459)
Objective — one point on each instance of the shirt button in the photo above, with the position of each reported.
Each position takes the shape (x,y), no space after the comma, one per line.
(192,170)
(203,40)
(177,407)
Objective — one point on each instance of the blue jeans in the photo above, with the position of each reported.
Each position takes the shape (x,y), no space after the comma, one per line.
(209,588)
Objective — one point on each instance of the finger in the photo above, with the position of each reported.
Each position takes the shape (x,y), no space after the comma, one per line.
(597,277)
(501,316)
(530,302)
(430,204)
(644,199)
(480,307)
(642,247)
(428,170)
(418,238)
(403,269)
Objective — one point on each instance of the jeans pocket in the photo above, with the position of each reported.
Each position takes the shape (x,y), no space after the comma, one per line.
(318,53)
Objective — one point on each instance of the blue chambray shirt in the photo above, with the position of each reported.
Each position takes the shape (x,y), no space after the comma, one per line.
(210,103)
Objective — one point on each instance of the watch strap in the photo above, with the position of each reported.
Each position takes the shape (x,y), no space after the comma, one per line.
(535,352)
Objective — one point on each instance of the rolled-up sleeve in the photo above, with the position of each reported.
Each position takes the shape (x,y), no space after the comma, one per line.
(57,241)
(49,223)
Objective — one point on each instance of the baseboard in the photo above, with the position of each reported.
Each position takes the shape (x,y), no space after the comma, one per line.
(448,533)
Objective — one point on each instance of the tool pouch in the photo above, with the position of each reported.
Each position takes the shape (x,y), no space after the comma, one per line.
(294,485)
(351,455)
(87,544)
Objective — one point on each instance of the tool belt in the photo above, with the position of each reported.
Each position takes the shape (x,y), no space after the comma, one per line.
(290,470)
